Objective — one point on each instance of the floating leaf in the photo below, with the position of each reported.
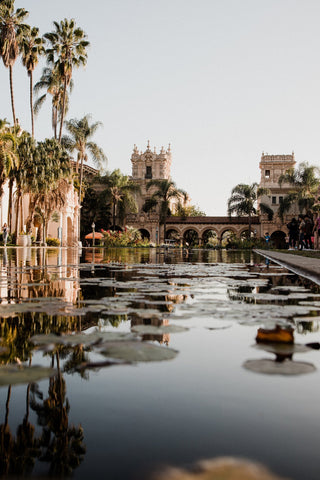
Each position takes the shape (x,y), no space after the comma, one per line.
(282,348)
(153,330)
(81,338)
(13,375)
(137,351)
(287,367)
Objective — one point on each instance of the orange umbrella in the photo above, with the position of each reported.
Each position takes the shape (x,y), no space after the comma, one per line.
(97,236)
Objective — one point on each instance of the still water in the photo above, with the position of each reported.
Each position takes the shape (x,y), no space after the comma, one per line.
(166,370)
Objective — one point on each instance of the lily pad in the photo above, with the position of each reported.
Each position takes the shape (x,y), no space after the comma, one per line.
(14,375)
(81,338)
(282,348)
(287,367)
(137,351)
(153,330)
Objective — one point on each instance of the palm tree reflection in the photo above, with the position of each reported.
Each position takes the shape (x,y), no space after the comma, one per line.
(61,444)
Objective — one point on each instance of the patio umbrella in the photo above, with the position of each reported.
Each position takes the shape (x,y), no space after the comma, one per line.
(97,236)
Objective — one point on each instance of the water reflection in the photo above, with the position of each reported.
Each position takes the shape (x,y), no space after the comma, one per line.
(56,443)
(101,304)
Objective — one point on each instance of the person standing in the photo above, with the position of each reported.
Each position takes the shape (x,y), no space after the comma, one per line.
(293,233)
(308,230)
(302,230)
(267,239)
(316,231)
(5,234)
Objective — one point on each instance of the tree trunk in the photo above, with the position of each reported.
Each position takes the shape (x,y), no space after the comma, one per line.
(113,214)
(54,120)
(249,226)
(80,194)
(21,213)
(17,212)
(10,205)
(63,108)
(31,103)
(12,97)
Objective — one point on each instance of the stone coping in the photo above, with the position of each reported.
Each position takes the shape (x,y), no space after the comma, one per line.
(305,266)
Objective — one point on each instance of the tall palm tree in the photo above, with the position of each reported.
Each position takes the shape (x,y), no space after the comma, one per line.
(165,191)
(11,27)
(68,50)
(51,82)
(304,183)
(20,174)
(8,155)
(243,199)
(32,47)
(119,192)
(80,133)
(46,180)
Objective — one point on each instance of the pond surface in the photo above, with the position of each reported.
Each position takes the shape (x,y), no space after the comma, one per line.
(163,369)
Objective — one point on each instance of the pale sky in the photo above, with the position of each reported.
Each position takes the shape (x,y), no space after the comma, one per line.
(221,80)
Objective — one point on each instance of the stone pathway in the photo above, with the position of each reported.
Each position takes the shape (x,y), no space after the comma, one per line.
(305,266)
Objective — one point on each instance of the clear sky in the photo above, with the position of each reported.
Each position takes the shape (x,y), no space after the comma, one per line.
(221,80)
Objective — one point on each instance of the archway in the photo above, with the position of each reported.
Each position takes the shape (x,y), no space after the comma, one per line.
(210,238)
(227,236)
(244,235)
(278,239)
(191,237)
(173,235)
(145,235)
(116,228)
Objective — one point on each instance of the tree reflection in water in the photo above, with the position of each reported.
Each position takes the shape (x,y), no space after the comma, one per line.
(61,444)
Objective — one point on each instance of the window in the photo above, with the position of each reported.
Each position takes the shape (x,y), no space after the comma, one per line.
(280,199)
(148,172)
(274,200)
(267,173)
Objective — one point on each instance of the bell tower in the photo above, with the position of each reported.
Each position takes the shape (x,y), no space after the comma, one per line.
(272,167)
(151,165)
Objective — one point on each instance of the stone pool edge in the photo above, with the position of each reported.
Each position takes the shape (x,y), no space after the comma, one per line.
(307,267)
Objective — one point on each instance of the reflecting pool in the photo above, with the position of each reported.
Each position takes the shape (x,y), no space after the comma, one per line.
(115,363)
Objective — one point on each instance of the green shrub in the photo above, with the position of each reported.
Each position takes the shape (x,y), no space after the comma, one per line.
(130,237)
(52,242)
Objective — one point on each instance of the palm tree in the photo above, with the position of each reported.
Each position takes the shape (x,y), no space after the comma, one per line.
(20,174)
(46,180)
(304,184)
(11,27)
(51,82)
(32,47)
(120,192)
(68,50)
(8,155)
(243,200)
(79,140)
(166,191)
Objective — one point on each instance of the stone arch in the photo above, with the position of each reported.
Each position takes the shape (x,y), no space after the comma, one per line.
(278,239)
(244,232)
(191,237)
(209,233)
(116,228)
(173,234)
(145,234)
(226,234)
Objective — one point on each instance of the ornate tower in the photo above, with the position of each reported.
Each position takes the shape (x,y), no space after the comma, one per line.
(272,166)
(151,165)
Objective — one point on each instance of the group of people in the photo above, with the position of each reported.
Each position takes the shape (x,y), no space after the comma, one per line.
(303,232)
